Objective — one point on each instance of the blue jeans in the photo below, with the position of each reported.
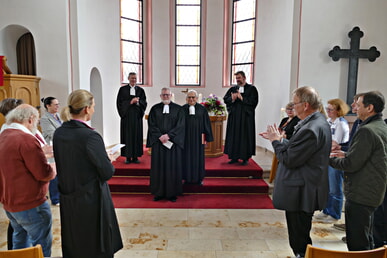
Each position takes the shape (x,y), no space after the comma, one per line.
(335,199)
(32,227)
(54,191)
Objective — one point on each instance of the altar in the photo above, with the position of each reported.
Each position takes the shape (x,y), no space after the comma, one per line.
(215,148)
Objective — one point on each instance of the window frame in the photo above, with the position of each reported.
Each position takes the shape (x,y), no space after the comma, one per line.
(228,33)
(173,56)
(146,45)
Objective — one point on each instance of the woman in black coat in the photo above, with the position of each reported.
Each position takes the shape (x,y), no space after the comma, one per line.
(89,226)
(286,127)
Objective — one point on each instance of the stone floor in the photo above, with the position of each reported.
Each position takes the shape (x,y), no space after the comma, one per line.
(169,233)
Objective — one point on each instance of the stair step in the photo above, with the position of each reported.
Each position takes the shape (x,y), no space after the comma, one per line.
(210,185)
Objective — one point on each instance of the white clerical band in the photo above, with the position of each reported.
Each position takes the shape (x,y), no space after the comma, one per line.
(132,91)
(166,109)
(241,89)
(192,110)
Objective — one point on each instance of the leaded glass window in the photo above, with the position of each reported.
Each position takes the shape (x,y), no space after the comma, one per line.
(243,38)
(132,47)
(188,42)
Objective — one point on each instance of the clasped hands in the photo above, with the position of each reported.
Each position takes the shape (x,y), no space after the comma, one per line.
(164,138)
(272,133)
(135,100)
(336,150)
(236,95)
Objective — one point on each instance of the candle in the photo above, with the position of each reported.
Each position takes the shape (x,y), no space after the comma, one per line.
(200,97)
(173,97)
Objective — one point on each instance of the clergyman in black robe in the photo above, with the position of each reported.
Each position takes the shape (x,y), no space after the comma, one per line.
(131,105)
(166,138)
(241,101)
(197,132)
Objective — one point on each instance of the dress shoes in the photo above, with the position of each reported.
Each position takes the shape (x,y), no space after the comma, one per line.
(173,199)
(136,161)
(157,198)
(128,161)
(233,161)
(245,163)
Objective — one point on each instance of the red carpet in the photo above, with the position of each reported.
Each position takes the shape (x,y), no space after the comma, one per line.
(226,186)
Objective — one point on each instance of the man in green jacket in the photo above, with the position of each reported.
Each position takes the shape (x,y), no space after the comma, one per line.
(365,171)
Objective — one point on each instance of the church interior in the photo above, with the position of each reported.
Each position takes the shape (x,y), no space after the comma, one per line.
(76,45)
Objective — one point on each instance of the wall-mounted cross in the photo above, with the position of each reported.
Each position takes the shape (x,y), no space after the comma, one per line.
(354,53)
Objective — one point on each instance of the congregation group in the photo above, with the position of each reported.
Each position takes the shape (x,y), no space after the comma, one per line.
(315,154)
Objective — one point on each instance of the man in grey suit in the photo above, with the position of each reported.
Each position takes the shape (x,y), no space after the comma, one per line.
(301,185)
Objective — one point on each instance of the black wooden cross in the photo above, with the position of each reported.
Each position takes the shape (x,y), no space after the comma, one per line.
(354,53)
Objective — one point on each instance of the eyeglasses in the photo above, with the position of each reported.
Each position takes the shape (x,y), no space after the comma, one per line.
(191,97)
(165,95)
(289,109)
(329,109)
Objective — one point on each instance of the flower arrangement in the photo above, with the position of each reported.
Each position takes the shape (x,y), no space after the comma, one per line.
(214,105)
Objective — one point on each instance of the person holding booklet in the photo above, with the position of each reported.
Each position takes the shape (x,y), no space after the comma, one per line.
(166,132)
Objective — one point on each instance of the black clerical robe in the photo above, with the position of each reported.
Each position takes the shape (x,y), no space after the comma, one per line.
(131,128)
(196,126)
(166,164)
(240,132)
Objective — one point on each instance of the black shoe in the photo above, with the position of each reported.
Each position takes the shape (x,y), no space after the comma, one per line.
(233,161)
(157,198)
(173,199)
(201,183)
(128,161)
(136,161)
(245,162)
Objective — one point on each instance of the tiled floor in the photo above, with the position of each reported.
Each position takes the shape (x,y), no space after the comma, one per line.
(169,233)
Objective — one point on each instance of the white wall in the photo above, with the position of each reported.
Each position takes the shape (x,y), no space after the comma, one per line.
(325,24)
(273,62)
(47,21)
(97,40)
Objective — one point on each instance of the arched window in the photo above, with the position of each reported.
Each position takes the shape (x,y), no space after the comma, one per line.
(188,41)
(136,40)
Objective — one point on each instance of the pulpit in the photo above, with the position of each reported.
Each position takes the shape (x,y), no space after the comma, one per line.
(25,87)
(214,149)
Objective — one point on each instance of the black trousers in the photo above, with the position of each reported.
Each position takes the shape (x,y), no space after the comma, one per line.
(359,226)
(380,224)
(299,224)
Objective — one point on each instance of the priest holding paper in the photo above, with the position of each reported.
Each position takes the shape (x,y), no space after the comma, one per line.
(197,132)
(166,124)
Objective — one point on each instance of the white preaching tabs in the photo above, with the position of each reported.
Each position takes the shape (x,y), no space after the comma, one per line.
(192,110)
(166,109)
(132,91)
(241,89)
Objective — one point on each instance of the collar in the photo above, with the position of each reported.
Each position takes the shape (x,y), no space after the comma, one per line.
(371,118)
(84,122)
(20,127)
(304,121)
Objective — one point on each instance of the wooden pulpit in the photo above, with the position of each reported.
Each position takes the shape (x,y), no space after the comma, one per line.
(214,149)
(25,87)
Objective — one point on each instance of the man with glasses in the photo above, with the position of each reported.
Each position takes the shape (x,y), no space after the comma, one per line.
(302,177)
(166,132)
(197,132)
